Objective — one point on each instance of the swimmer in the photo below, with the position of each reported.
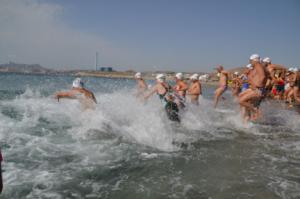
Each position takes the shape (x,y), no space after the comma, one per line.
(279,85)
(270,72)
(161,88)
(236,84)
(141,84)
(180,90)
(163,91)
(223,83)
(244,77)
(296,88)
(171,108)
(86,97)
(180,87)
(194,90)
(292,77)
(253,96)
(245,86)
(288,83)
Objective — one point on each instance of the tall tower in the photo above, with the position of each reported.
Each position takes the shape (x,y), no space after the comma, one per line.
(96,64)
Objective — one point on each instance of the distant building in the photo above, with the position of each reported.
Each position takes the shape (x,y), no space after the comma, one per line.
(106,69)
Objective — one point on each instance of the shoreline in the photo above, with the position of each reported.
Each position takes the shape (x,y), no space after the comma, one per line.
(129,75)
(112,75)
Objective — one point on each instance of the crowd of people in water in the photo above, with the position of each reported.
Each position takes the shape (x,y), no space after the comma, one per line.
(259,80)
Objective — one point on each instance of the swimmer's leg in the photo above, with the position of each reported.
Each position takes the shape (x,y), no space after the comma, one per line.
(218,93)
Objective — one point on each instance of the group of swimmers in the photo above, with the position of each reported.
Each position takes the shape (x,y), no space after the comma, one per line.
(258,82)
(250,88)
(173,98)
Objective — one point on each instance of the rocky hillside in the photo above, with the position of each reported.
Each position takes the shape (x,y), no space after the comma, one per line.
(24,68)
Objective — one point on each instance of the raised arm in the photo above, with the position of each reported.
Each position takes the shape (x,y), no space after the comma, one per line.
(64,94)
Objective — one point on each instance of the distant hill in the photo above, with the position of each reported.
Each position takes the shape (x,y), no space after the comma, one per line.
(12,67)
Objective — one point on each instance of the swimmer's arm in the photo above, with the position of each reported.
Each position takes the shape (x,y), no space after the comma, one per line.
(154,89)
(64,95)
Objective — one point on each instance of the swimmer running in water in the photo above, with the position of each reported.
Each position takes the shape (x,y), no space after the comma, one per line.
(289,85)
(163,90)
(245,77)
(180,90)
(270,72)
(86,97)
(251,98)
(223,83)
(296,89)
(236,84)
(141,85)
(195,89)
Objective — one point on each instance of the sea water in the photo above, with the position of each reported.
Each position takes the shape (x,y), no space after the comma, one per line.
(127,148)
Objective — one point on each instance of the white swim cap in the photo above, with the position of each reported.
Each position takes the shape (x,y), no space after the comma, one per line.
(194,77)
(249,66)
(161,77)
(77,83)
(179,76)
(236,73)
(138,75)
(291,69)
(267,60)
(255,57)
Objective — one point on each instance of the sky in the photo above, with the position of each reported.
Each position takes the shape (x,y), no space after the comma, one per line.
(147,35)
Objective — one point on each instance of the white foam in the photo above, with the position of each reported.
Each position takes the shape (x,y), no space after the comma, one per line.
(72,138)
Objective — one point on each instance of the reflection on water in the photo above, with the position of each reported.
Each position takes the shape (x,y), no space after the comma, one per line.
(126,149)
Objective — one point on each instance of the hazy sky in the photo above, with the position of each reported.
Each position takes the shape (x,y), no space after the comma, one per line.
(180,35)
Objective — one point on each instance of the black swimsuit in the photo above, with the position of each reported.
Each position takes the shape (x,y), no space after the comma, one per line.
(171,108)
